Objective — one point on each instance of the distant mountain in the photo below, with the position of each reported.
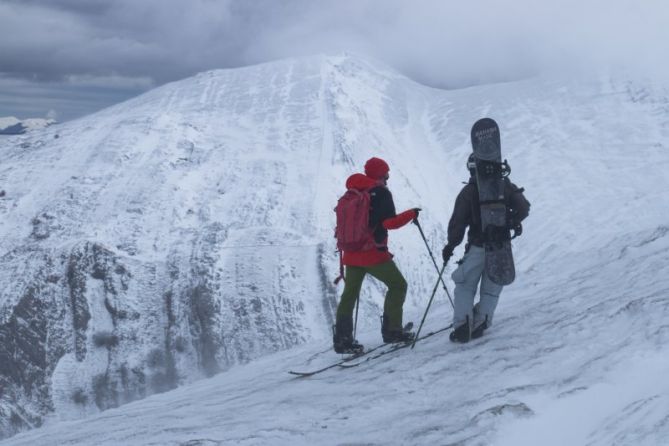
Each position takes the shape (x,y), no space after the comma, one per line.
(13,126)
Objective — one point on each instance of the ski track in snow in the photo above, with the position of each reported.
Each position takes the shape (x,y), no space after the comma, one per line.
(577,354)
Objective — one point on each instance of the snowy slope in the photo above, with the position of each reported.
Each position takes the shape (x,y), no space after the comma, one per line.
(229,179)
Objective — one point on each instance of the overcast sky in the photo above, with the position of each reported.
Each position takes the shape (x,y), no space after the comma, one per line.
(77,56)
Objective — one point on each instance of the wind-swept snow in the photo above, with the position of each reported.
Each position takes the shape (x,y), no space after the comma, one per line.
(577,354)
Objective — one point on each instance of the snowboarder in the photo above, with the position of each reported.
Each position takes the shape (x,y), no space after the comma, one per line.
(469,320)
(374,259)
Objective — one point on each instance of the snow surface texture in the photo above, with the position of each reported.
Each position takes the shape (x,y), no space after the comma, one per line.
(202,213)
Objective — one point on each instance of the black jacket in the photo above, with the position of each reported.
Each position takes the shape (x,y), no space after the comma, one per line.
(466,212)
(382,207)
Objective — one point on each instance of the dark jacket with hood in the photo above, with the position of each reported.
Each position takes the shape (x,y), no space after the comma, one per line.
(466,213)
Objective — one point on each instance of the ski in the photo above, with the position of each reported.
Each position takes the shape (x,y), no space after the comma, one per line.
(339,363)
(344,362)
(394,349)
(407,327)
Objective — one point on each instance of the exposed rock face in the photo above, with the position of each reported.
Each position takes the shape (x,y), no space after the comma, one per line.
(52,318)
(24,365)
(93,330)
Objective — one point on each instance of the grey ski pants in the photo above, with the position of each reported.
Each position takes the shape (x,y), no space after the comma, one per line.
(466,278)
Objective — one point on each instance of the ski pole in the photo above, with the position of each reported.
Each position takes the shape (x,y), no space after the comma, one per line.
(422,234)
(429,303)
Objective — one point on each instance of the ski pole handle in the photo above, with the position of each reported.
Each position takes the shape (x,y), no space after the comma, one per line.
(415,219)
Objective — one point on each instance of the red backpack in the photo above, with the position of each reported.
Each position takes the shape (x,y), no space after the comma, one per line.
(353,232)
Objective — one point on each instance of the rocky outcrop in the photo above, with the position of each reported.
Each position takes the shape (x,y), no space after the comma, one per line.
(94,329)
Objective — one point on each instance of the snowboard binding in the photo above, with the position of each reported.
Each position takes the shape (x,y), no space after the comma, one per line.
(493,169)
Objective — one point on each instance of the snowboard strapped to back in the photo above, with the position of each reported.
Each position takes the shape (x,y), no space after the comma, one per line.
(490,179)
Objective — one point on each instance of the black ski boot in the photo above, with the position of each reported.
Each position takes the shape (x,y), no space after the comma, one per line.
(398,335)
(342,337)
(478,331)
(461,333)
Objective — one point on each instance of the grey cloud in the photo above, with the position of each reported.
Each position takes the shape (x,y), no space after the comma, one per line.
(444,43)
(69,98)
(162,39)
(451,41)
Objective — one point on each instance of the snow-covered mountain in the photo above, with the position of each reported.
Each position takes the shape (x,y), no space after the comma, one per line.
(189,230)
(14,126)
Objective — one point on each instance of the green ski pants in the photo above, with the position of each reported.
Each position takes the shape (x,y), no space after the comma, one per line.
(388,274)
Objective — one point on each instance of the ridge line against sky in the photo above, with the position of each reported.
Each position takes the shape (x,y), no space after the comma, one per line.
(73,57)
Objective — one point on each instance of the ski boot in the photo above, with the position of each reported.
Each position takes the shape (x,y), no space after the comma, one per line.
(478,331)
(342,338)
(461,334)
(397,335)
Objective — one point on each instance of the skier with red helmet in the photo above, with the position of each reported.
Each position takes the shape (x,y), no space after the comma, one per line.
(374,259)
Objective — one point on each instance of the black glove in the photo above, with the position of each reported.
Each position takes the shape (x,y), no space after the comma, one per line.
(415,219)
(517,229)
(447,253)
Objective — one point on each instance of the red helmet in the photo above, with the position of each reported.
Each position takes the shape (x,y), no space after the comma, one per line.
(376,168)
